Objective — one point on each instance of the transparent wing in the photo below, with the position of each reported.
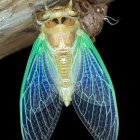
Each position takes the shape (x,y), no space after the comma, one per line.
(94,98)
(40,105)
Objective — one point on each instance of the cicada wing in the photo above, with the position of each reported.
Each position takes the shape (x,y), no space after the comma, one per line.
(40,105)
(94,97)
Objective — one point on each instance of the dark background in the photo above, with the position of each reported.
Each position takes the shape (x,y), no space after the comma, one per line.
(112,46)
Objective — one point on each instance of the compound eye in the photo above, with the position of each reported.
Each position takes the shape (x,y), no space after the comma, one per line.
(69,22)
(50,24)
(39,15)
(74,13)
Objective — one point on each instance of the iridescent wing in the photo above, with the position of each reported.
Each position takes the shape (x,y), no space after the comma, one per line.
(40,105)
(94,97)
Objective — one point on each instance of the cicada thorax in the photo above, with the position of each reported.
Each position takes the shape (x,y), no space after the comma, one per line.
(60,33)
(60,26)
(60,30)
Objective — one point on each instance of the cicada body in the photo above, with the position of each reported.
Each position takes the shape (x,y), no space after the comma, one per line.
(64,67)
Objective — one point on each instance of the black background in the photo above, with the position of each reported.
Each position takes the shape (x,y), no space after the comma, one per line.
(112,46)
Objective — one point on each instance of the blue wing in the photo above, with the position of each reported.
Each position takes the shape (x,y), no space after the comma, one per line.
(94,98)
(40,105)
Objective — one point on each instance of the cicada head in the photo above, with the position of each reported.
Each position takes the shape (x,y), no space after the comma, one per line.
(60,25)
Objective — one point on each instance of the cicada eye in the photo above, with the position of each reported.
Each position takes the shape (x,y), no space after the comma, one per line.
(74,13)
(39,14)
(69,22)
(50,24)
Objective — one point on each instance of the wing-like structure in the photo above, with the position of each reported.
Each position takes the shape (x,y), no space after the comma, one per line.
(94,97)
(40,104)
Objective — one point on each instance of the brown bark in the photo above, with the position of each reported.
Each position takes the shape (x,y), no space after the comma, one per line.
(16,26)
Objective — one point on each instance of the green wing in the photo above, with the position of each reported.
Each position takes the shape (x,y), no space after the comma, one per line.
(94,96)
(40,105)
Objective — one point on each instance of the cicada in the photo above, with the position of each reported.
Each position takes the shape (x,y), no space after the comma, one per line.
(65,68)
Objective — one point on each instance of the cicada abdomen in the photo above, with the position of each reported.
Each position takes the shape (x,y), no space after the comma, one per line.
(63,68)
